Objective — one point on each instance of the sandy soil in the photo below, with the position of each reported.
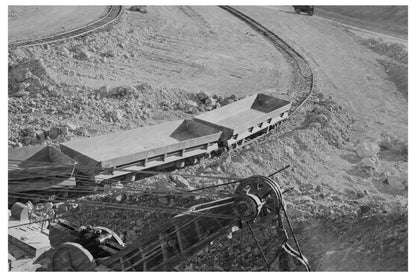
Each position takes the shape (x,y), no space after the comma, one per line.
(390,20)
(33,22)
(349,211)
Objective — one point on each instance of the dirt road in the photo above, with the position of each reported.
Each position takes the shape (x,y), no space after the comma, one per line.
(347,71)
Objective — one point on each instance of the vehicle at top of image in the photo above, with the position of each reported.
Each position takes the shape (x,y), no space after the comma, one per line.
(305,9)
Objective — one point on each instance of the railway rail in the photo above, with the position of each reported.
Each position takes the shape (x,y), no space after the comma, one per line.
(303,81)
(112,14)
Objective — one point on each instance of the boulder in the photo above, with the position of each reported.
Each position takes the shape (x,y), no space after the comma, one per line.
(65,52)
(63,130)
(321,118)
(364,209)
(368,166)
(394,181)
(227,101)
(191,106)
(104,91)
(306,187)
(54,132)
(202,95)
(82,53)
(40,135)
(116,115)
(21,93)
(109,53)
(21,75)
(120,198)
(70,126)
(210,102)
(367,149)
(315,125)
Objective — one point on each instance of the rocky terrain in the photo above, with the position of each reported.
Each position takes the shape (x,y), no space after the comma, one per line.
(347,147)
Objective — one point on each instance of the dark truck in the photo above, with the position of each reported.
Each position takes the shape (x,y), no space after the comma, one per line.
(305,9)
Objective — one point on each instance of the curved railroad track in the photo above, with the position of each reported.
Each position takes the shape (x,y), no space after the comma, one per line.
(303,81)
(112,14)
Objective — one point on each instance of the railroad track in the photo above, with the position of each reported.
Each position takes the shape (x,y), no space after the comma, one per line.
(303,81)
(112,14)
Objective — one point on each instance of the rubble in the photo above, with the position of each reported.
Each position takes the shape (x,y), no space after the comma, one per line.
(368,166)
(81,53)
(321,118)
(203,95)
(70,126)
(54,132)
(21,93)
(104,91)
(40,134)
(191,106)
(108,54)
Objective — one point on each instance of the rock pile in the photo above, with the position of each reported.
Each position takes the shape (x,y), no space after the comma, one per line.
(29,76)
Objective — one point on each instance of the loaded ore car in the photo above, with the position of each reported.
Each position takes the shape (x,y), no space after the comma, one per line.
(142,148)
(250,116)
(305,9)
(39,168)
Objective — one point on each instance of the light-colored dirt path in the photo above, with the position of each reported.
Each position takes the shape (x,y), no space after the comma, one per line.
(358,30)
(33,22)
(346,70)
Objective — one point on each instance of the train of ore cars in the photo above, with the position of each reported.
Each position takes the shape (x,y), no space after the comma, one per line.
(118,156)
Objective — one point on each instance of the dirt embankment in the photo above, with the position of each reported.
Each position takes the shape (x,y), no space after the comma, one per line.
(391,20)
(394,59)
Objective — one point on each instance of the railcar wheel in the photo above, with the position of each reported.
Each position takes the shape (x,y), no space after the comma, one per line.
(71,256)
(297,10)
